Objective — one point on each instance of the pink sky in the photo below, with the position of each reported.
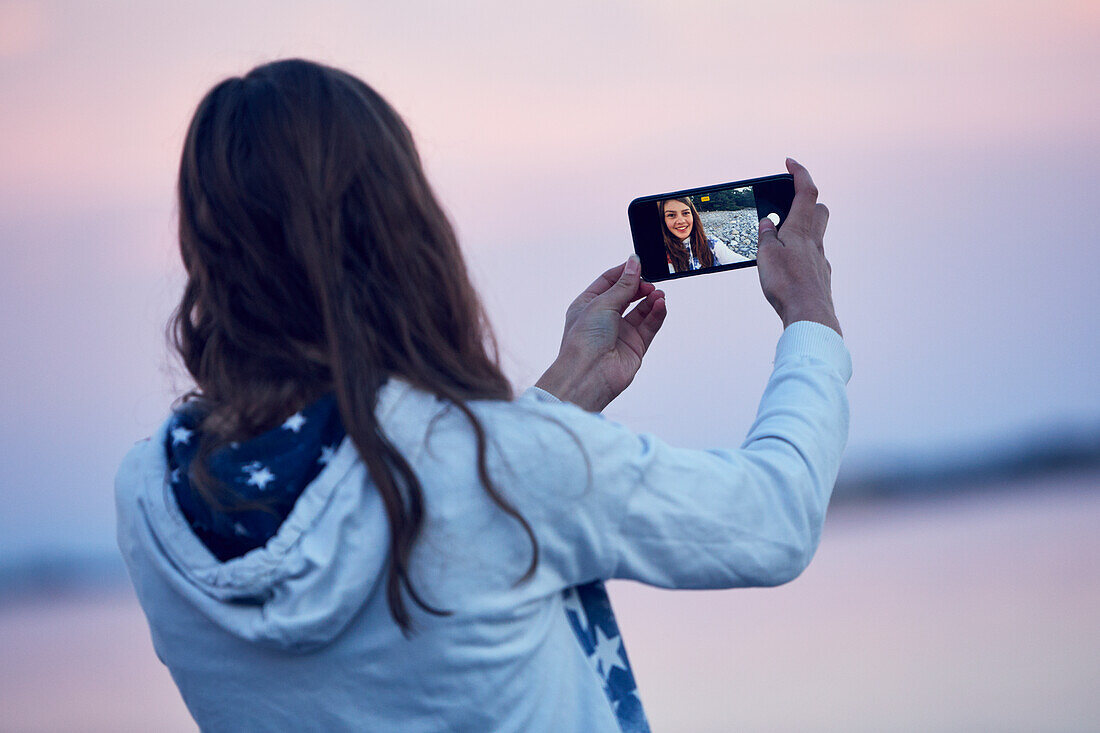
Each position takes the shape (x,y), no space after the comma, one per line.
(954,142)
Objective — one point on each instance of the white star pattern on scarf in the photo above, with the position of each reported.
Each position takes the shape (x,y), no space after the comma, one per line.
(181,435)
(260,478)
(327,452)
(607,652)
(295,422)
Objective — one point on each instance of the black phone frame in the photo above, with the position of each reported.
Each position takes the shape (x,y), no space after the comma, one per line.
(774,189)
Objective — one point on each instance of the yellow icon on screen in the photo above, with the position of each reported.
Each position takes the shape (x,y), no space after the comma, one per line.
(705,198)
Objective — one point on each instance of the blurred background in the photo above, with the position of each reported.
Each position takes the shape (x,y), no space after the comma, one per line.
(957,586)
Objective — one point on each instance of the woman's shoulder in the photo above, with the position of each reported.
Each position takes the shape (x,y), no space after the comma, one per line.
(550,434)
(533,414)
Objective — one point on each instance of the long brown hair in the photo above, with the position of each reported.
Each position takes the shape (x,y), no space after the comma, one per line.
(674,247)
(319,261)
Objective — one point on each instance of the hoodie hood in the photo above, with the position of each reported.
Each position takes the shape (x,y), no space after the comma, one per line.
(298,591)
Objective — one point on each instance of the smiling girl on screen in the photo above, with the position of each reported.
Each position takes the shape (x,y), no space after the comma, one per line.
(687,245)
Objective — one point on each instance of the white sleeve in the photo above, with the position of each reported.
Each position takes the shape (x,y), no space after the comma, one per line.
(721,252)
(725,254)
(633,506)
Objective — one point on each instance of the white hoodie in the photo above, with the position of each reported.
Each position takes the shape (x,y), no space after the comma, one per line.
(297,635)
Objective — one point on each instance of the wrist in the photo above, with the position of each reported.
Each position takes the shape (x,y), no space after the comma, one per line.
(570,382)
(817,313)
(825,319)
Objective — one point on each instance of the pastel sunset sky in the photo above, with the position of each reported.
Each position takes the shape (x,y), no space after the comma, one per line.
(955,143)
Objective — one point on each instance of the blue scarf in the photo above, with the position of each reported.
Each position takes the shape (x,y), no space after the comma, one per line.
(273,468)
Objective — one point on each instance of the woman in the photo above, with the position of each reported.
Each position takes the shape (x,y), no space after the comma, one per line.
(687,245)
(350,524)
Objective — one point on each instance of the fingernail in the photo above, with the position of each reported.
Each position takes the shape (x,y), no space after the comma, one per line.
(632,264)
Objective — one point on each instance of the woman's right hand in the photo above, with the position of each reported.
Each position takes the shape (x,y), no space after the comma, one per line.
(794,274)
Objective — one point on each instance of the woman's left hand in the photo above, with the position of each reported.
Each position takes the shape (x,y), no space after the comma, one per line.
(602,349)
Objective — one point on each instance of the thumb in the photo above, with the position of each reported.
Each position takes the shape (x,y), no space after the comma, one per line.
(768,234)
(625,289)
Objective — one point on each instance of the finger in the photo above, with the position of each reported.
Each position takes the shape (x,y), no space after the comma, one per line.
(805,197)
(625,289)
(652,323)
(604,282)
(767,236)
(820,221)
(637,315)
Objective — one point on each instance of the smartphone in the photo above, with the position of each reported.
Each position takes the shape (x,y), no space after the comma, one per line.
(708,229)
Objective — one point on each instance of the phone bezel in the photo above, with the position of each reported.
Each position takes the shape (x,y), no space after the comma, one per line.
(644,245)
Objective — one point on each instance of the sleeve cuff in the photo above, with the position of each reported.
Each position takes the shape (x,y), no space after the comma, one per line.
(806,338)
(539,395)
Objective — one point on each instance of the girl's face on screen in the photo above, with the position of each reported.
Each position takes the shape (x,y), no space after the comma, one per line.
(678,219)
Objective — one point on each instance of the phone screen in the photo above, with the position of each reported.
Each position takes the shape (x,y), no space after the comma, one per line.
(706,229)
